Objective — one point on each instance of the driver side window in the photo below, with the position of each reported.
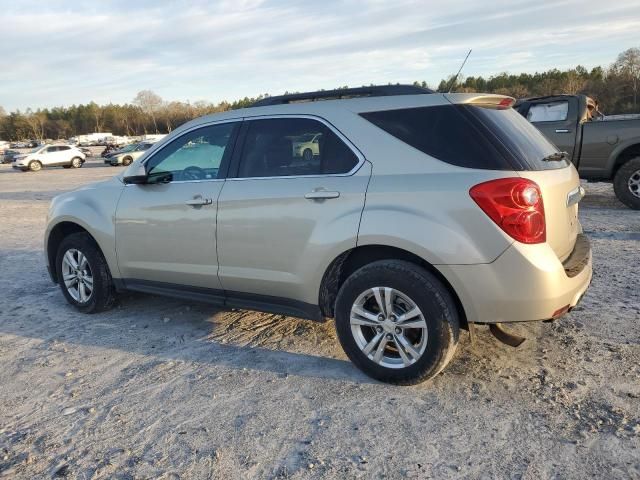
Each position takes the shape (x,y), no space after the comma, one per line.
(196,155)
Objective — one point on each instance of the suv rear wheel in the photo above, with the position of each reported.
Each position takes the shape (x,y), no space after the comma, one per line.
(83,274)
(397,322)
(626,183)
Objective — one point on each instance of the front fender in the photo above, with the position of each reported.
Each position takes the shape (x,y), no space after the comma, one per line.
(93,208)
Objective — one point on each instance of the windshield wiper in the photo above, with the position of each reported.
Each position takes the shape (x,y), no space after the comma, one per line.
(556,157)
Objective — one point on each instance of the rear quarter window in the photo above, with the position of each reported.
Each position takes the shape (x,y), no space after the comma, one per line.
(469,136)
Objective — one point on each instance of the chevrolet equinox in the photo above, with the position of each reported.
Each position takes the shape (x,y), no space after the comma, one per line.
(417,214)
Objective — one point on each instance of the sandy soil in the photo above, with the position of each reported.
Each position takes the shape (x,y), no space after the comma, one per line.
(158,388)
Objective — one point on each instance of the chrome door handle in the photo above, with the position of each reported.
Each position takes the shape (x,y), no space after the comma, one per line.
(562,130)
(198,201)
(321,195)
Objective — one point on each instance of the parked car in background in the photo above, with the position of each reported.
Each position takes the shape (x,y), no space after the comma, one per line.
(601,147)
(422,213)
(65,156)
(307,145)
(128,154)
(9,155)
(20,145)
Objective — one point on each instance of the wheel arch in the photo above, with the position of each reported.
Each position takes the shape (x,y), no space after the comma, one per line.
(351,260)
(624,153)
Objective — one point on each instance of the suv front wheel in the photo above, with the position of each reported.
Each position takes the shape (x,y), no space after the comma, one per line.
(83,274)
(397,322)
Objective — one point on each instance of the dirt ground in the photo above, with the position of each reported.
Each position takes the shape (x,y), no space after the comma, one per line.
(159,388)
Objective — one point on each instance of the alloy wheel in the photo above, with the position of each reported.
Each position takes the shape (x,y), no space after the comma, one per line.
(389,327)
(77,275)
(634,183)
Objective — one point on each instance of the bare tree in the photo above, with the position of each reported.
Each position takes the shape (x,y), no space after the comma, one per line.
(628,65)
(150,103)
(3,112)
(36,121)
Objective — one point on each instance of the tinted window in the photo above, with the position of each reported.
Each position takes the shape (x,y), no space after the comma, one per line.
(293,147)
(196,155)
(470,136)
(443,132)
(63,148)
(526,145)
(548,112)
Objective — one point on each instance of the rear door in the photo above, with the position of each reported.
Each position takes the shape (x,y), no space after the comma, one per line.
(284,212)
(557,120)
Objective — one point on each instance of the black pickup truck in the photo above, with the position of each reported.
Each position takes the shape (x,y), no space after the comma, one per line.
(601,147)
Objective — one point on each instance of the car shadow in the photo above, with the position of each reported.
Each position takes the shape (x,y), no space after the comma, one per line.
(166,329)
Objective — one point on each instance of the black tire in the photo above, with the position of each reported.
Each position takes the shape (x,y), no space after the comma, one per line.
(622,183)
(103,296)
(428,293)
(126,161)
(307,154)
(35,166)
(76,162)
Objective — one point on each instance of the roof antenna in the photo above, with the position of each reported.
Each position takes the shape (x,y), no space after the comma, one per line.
(453,80)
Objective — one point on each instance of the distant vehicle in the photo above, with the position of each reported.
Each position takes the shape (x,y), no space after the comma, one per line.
(4,145)
(19,145)
(128,154)
(49,156)
(153,137)
(306,146)
(9,155)
(601,147)
(92,139)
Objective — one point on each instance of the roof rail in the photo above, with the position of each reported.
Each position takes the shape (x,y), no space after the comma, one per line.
(374,91)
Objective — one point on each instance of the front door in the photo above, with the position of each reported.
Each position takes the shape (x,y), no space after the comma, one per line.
(289,210)
(166,229)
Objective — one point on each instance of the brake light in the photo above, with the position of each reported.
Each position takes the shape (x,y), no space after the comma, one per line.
(515,205)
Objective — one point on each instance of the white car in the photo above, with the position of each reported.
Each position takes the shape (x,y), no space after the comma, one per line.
(66,156)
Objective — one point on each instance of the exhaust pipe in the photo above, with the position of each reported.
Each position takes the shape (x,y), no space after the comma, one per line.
(505,337)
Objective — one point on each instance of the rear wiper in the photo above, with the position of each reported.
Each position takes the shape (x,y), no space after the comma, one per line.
(556,157)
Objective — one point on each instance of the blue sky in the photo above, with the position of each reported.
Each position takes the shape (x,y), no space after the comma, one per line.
(62,52)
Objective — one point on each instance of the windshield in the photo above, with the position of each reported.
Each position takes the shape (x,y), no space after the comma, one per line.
(129,148)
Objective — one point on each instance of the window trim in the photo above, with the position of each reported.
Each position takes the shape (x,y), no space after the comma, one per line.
(237,156)
(233,140)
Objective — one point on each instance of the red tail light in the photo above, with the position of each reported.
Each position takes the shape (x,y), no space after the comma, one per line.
(515,205)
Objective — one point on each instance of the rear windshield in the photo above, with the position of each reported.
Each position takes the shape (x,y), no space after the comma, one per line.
(470,136)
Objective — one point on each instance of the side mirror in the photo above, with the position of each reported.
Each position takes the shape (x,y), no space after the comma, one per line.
(137,174)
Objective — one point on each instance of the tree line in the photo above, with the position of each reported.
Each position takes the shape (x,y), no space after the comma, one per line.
(614,87)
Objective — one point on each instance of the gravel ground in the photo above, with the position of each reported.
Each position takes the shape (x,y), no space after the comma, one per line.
(159,388)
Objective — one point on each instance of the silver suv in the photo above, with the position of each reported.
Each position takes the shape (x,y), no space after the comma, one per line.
(417,215)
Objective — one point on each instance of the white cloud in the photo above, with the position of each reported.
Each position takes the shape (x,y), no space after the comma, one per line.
(63,53)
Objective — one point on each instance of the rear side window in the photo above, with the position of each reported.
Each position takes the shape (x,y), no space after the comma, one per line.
(548,112)
(287,147)
(443,132)
(470,136)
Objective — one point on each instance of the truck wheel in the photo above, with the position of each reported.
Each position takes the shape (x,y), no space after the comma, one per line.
(397,322)
(35,166)
(626,183)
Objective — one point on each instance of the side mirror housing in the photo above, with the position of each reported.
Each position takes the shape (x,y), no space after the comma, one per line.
(137,174)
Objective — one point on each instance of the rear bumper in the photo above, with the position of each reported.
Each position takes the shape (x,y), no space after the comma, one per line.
(526,283)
